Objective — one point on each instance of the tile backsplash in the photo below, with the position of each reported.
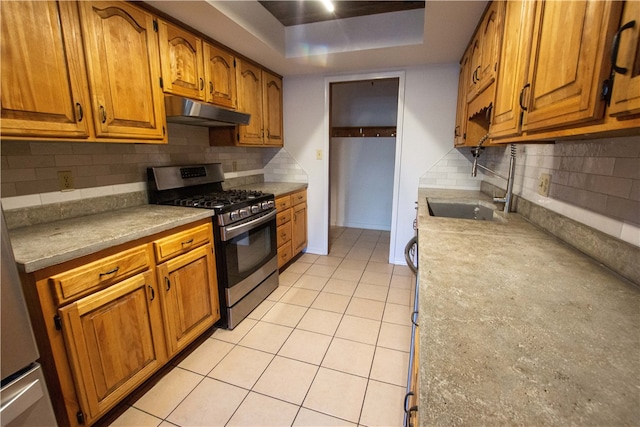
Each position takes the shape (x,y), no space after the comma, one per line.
(30,169)
(595,182)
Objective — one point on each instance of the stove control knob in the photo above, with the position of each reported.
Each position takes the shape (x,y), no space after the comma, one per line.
(234,215)
(244,212)
(265,206)
(272,204)
(255,209)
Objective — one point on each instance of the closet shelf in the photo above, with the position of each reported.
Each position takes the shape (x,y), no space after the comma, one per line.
(363,131)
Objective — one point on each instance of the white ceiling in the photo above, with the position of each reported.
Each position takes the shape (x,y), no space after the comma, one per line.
(249,29)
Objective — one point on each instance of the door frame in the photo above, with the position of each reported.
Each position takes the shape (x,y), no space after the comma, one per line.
(400,75)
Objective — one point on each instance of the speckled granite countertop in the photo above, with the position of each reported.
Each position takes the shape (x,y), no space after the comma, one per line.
(43,245)
(277,188)
(518,328)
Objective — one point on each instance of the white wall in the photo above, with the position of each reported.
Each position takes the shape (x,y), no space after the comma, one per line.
(428,121)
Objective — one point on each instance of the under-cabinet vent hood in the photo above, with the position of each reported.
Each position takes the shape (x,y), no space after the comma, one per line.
(189,112)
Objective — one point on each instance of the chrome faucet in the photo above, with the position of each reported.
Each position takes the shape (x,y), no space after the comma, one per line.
(508,197)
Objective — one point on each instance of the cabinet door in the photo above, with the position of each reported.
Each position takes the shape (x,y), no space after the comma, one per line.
(114,341)
(220,76)
(181,61)
(625,98)
(569,65)
(512,72)
(491,37)
(250,101)
(43,74)
(475,58)
(272,109)
(299,228)
(124,70)
(189,295)
(460,131)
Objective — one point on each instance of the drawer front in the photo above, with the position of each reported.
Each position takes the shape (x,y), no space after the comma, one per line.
(284,254)
(98,274)
(182,242)
(284,234)
(283,217)
(299,197)
(283,203)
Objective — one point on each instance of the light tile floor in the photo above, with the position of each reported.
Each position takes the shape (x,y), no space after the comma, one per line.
(329,347)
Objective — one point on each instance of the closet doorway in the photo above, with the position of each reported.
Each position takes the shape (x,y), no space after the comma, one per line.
(363,118)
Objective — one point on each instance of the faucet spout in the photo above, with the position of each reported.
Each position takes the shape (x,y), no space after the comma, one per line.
(508,197)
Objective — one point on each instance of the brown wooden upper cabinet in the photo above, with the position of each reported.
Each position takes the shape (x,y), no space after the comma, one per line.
(484,51)
(220,76)
(555,61)
(123,64)
(259,94)
(625,98)
(43,93)
(181,60)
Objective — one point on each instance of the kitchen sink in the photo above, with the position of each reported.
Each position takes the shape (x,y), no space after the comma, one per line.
(472,209)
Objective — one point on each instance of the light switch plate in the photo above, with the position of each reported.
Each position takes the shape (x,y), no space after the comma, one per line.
(543,184)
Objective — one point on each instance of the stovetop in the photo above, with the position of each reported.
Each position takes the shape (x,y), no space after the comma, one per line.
(223,199)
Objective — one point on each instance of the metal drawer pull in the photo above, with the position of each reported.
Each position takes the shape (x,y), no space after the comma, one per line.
(153,293)
(115,270)
(188,242)
(168,283)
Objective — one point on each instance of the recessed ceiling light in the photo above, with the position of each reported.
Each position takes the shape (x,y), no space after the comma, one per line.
(329,5)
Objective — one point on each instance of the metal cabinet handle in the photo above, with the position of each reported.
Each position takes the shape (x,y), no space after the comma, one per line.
(153,293)
(188,242)
(80,111)
(522,96)
(103,112)
(211,88)
(201,83)
(168,283)
(107,273)
(616,46)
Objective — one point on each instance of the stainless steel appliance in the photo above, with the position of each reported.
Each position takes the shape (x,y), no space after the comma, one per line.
(24,396)
(244,232)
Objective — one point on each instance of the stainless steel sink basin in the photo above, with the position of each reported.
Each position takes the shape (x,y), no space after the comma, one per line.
(472,209)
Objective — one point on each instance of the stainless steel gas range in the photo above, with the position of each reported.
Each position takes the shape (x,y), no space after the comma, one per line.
(244,232)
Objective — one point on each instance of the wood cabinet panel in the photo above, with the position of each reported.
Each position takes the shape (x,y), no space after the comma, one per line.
(99,274)
(220,76)
(625,98)
(189,296)
(512,72)
(250,101)
(113,341)
(460,131)
(181,61)
(283,233)
(568,65)
(183,242)
(272,109)
(299,228)
(44,86)
(124,70)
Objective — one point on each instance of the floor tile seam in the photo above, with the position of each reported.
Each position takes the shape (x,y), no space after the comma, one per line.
(183,399)
(281,399)
(327,414)
(146,412)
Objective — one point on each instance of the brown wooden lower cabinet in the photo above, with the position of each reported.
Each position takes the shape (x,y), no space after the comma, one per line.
(291,224)
(123,317)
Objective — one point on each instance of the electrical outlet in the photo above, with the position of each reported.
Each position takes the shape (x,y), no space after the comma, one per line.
(318,154)
(65,180)
(543,184)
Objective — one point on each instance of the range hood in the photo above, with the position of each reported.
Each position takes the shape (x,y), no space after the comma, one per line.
(189,112)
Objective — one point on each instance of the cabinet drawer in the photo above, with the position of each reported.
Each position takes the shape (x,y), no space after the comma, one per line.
(299,197)
(283,217)
(182,242)
(104,272)
(284,234)
(284,254)
(283,203)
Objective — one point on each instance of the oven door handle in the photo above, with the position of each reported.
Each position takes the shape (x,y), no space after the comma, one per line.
(228,233)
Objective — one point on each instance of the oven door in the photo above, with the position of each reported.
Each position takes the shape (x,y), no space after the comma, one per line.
(250,254)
